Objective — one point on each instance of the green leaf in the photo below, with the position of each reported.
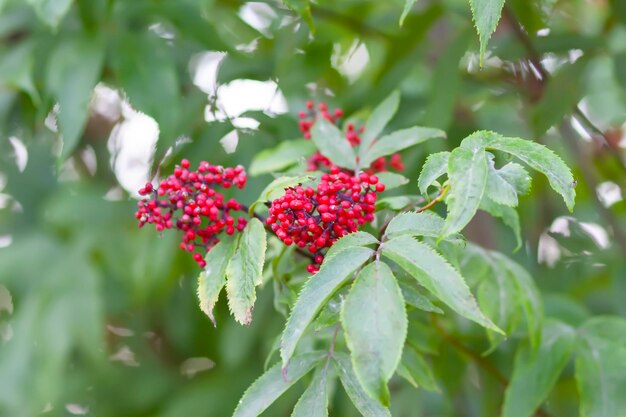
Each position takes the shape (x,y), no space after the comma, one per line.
(245,271)
(380,117)
(408,5)
(73,71)
(435,166)
(397,141)
(273,383)
(529,297)
(516,175)
(277,188)
(508,215)
(51,12)
(467,172)
(392,180)
(146,71)
(486,14)
(535,156)
(16,69)
(367,406)
(283,156)
(505,292)
(314,401)
(445,86)
(332,144)
(351,240)
(303,8)
(601,367)
(396,203)
(335,271)
(536,372)
(416,299)
(375,325)
(213,278)
(416,370)
(498,188)
(433,272)
(415,224)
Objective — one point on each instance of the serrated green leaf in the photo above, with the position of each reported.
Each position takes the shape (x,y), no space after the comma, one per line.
(273,383)
(51,12)
(486,14)
(314,401)
(601,367)
(277,188)
(213,278)
(435,166)
(508,215)
(245,271)
(505,292)
(516,175)
(498,189)
(467,173)
(532,154)
(381,116)
(414,368)
(73,72)
(529,297)
(436,275)
(416,299)
(283,156)
(145,70)
(351,240)
(397,141)
(395,203)
(335,271)
(392,180)
(415,224)
(375,325)
(367,406)
(497,297)
(332,144)
(535,373)
(408,5)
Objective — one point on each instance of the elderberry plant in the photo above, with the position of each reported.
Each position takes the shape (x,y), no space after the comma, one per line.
(376,269)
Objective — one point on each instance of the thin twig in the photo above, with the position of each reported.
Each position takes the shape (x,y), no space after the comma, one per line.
(566,132)
(535,60)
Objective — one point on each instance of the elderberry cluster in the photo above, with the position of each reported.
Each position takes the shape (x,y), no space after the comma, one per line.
(315,218)
(318,161)
(187,201)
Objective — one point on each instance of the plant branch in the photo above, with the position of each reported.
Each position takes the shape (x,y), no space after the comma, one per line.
(535,60)
(567,133)
(478,359)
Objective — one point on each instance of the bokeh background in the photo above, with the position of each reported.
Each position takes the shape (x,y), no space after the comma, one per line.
(100,318)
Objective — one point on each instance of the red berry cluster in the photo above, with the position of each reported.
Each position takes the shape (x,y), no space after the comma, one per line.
(317,160)
(188,201)
(315,218)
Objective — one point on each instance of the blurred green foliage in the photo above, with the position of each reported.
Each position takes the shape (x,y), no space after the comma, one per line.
(99,317)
